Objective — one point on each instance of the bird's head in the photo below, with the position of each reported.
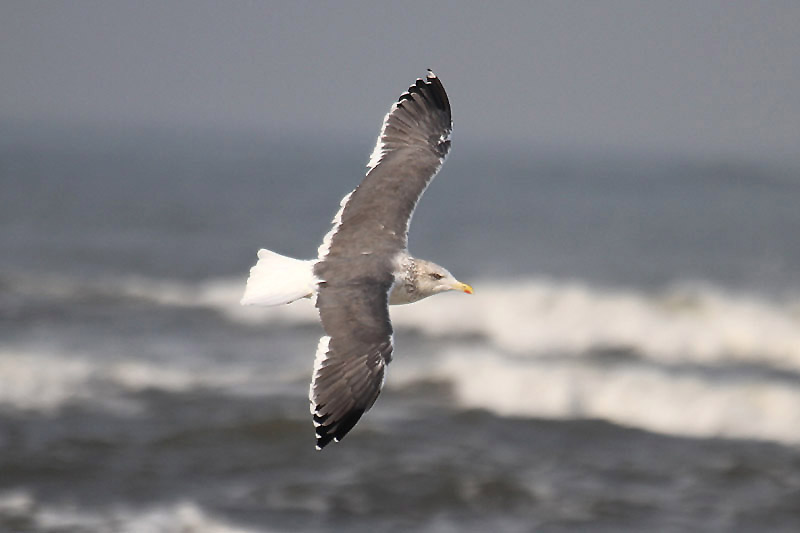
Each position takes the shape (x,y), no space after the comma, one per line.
(433,279)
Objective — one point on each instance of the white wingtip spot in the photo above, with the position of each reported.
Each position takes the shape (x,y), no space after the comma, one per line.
(431,75)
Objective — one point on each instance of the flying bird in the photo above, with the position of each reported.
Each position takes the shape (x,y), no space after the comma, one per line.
(363,264)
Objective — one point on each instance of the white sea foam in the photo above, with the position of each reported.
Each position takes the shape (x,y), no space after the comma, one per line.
(693,401)
(688,322)
(695,323)
(16,503)
(535,360)
(178,517)
(44,380)
(220,294)
(669,400)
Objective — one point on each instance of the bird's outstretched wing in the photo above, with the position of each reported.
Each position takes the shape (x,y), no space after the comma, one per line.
(413,142)
(359,256)
(351,359)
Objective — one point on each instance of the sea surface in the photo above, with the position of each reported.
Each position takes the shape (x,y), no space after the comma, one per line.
(630,360)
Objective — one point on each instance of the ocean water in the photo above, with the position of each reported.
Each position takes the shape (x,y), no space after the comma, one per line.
(630,360)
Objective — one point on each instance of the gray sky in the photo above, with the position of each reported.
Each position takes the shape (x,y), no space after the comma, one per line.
(694,77)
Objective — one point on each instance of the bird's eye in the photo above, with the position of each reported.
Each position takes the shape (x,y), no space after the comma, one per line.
(436,276)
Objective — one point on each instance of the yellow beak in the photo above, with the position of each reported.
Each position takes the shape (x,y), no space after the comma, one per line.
(463,287)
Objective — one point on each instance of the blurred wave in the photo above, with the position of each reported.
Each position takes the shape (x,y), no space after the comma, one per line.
(693,322)
(689,401)
(612,290)
(693,359)
(20,511)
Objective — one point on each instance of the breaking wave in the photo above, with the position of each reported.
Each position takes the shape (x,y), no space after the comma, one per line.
(672,399)
(692,322)
(695,322)
(47,379)
(692,359)
(680,401)
(18,507)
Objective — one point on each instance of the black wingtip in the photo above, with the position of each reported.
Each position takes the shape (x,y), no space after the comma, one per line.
(323,441)
(337,430)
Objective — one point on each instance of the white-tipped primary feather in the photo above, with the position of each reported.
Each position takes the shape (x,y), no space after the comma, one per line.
(276,279)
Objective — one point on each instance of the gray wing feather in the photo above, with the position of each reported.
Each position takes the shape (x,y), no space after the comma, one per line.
(351,360)
(411,147)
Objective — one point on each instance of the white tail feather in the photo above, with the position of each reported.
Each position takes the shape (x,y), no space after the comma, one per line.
(276,279)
